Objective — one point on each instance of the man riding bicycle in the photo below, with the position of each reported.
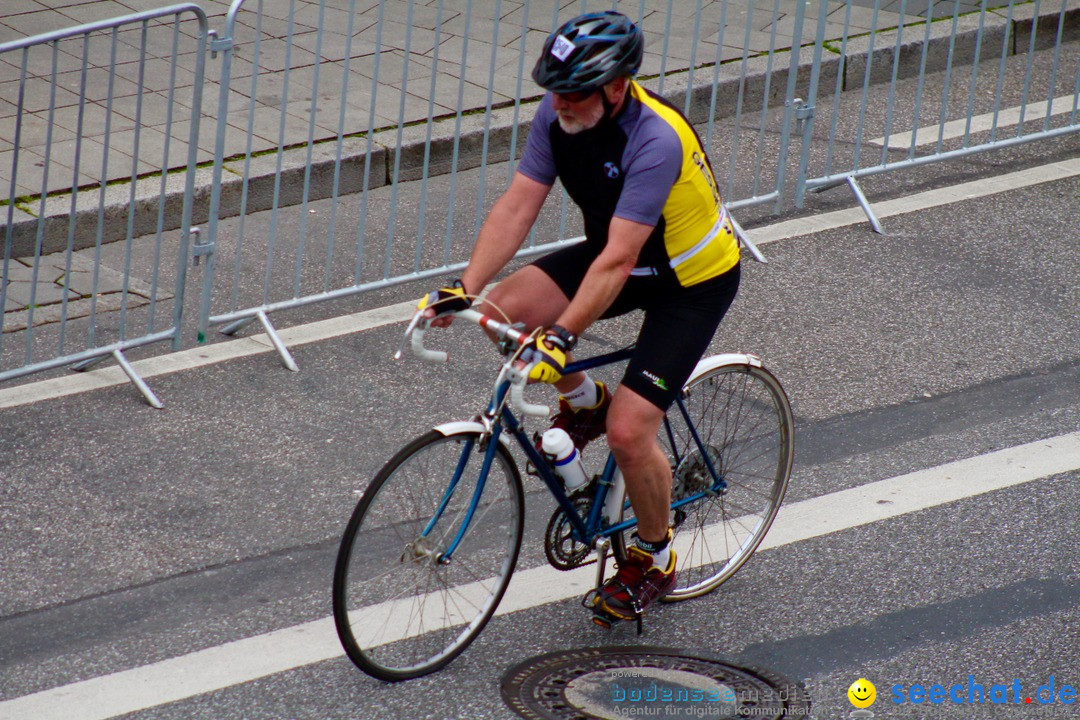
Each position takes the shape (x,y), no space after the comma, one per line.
(657,238)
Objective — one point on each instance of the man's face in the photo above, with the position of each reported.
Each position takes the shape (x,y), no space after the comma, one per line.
(580,114)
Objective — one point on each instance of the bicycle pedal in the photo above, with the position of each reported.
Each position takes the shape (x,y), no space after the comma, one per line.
(607,621)
(591,601)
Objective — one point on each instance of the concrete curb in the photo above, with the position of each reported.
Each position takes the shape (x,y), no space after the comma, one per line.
(154,207)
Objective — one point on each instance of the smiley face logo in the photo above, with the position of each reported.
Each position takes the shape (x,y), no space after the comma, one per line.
(862,693)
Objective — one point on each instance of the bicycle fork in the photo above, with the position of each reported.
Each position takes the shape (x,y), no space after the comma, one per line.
(422,548)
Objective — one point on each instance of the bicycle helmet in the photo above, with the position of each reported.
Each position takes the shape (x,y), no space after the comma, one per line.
(588,52)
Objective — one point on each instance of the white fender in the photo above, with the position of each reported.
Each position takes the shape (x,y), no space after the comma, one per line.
(714,361)
(456,426)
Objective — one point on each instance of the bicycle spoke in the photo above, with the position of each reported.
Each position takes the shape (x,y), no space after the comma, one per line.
(401,610)
(742,421)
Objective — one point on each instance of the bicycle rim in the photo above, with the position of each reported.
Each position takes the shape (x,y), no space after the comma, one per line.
(400,610)
(744,421)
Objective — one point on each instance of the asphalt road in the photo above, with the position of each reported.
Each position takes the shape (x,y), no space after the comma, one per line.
(130,536)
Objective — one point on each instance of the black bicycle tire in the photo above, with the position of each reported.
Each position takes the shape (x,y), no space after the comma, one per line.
(779,483)
(618,540)
(340,609)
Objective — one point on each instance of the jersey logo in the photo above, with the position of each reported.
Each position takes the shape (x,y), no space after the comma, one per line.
(704,168)
(611,170)
(562,48)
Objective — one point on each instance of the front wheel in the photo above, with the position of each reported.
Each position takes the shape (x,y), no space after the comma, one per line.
(744,423)
(403,606)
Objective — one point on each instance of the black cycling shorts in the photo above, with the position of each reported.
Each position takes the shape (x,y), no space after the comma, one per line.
(679,322)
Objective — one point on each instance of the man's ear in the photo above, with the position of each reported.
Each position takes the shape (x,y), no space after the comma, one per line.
(616,89)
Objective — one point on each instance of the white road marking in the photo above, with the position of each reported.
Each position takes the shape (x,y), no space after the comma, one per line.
(921,201)
(206,355)
(391,314)
(1008,117)
(245,660)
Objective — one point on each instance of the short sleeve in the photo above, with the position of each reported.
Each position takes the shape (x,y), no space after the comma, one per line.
(652,163)
(537,161)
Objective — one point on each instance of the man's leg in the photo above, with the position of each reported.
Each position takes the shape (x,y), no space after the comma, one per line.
(527,296)
(674,336)
(632,426)
(645,575)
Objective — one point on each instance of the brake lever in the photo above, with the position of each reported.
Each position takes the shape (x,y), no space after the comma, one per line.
(507,345)
(518,378)
(408,331)
(414,335)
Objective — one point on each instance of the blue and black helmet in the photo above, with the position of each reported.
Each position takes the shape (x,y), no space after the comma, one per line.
(588,52)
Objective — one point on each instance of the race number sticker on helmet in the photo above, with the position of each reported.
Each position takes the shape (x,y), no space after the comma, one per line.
(562,48)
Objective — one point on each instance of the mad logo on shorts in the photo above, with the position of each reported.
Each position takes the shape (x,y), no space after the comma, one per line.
(655,379)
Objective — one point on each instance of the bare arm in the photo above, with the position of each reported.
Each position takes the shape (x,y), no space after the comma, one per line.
(606,275)
(504,230)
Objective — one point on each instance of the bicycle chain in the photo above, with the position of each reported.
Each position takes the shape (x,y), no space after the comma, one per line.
(562,550)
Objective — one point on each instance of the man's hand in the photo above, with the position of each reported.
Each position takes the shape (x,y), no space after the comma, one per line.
(448,299)
(548,350)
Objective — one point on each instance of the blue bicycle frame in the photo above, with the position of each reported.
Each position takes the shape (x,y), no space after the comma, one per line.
(584,530)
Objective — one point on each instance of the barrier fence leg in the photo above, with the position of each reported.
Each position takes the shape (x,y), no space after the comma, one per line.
(865,204)
(286,357)
(235,327)
(137,381)
(741,235)
(87,364)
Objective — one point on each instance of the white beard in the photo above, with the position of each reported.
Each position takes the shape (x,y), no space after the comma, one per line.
(580,123)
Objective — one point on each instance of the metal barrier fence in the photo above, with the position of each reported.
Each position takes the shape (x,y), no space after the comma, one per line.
(419,134)
(358,147)
(723,63)
(981,62)
(65,209)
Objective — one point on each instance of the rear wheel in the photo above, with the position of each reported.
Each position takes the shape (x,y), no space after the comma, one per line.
(743,420)
(402,607)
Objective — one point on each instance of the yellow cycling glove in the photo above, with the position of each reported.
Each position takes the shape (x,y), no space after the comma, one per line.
(446,299)
(549,353)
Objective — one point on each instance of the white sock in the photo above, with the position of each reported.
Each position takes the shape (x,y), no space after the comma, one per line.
(661,558)
(584,395)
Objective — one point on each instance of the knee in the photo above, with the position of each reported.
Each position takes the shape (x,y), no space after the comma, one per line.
(528,296)
(496,298)
(501,303)
(626,440)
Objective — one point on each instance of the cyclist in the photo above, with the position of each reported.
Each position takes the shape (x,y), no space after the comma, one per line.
(657,238)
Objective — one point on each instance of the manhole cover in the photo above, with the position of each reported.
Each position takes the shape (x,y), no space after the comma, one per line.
(616,683)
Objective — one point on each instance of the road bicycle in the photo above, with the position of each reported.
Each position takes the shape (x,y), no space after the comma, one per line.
(430,548)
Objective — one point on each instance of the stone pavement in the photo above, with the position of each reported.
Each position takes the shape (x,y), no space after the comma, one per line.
(433,61)
(435,58)
(53,289)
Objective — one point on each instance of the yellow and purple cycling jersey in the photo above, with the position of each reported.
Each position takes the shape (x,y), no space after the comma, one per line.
(651,169)
(646,165)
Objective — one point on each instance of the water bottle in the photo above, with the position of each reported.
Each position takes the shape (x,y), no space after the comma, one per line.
(566,459)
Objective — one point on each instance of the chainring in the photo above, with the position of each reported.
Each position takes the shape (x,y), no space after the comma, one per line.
(560,547)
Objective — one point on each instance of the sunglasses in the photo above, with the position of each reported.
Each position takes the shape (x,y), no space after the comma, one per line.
(576,96)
